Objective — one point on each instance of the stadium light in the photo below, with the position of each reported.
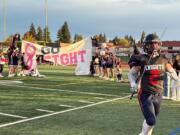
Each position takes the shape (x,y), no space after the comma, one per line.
(5,13)
(46,14)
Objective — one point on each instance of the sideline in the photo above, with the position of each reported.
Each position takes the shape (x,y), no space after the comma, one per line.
(61,112)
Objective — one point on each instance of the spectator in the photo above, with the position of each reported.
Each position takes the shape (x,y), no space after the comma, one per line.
(10,61)
(118,72)
(175,86)
(96,65)
(23,66)
(92,71)
(2,62)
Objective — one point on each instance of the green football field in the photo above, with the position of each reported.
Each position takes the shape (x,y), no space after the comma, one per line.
(65,104)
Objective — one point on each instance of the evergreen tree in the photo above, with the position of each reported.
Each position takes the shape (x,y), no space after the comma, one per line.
(64,34)
(116,40)
(130,39)
(39,35)
(77,37)
(101,38)
(105,39)
(142,37)
(46,36)
(32,30)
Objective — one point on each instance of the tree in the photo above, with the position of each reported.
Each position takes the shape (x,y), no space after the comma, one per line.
(77,37)
(124,42)
(130,39)
(46,31)
(9,39)
(28,37)
(105,39)
(101,38)
(121,41)
(64,34)
(39,35)
(142,37)
(116,40)
(32,30)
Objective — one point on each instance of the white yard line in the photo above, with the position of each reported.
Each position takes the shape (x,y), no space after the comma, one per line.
(12,115)
(11,81)
(98,98)
(70,106)
(85,101)
(69,84)
(42,110)
(61,112)
(60,90)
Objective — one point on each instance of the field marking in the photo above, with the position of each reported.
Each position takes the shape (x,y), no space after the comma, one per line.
(60,90)
(80,79)
(69,84)
(42,110)
(61,112)
(85,101)
(12,115)
(98,98)
(70,106)
(11,82)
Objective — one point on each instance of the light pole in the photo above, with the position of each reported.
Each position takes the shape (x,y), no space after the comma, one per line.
(5,13)
(46,14)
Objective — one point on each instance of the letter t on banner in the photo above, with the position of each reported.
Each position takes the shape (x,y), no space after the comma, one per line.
(84,58)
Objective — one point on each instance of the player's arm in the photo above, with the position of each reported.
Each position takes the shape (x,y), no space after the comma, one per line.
(133,75)
(171,71)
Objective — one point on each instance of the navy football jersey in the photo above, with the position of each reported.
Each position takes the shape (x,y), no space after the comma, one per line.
(152,73)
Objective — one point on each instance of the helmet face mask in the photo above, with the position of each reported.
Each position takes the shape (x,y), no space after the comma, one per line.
(152,44)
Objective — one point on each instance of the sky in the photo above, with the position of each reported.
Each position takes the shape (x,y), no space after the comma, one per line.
(91,17)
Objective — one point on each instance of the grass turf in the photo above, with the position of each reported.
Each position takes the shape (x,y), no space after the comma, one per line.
(61,86)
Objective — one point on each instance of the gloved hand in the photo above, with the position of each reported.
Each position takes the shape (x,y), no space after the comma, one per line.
(133,88)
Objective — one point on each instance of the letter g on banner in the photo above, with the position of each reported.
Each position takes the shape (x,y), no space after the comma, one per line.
(30,52)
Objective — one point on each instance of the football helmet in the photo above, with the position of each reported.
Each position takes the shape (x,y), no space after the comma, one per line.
(152,44)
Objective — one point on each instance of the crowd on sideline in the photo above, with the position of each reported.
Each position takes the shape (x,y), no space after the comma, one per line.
(16,64)
(107,66)
(16,58)
(104,65)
